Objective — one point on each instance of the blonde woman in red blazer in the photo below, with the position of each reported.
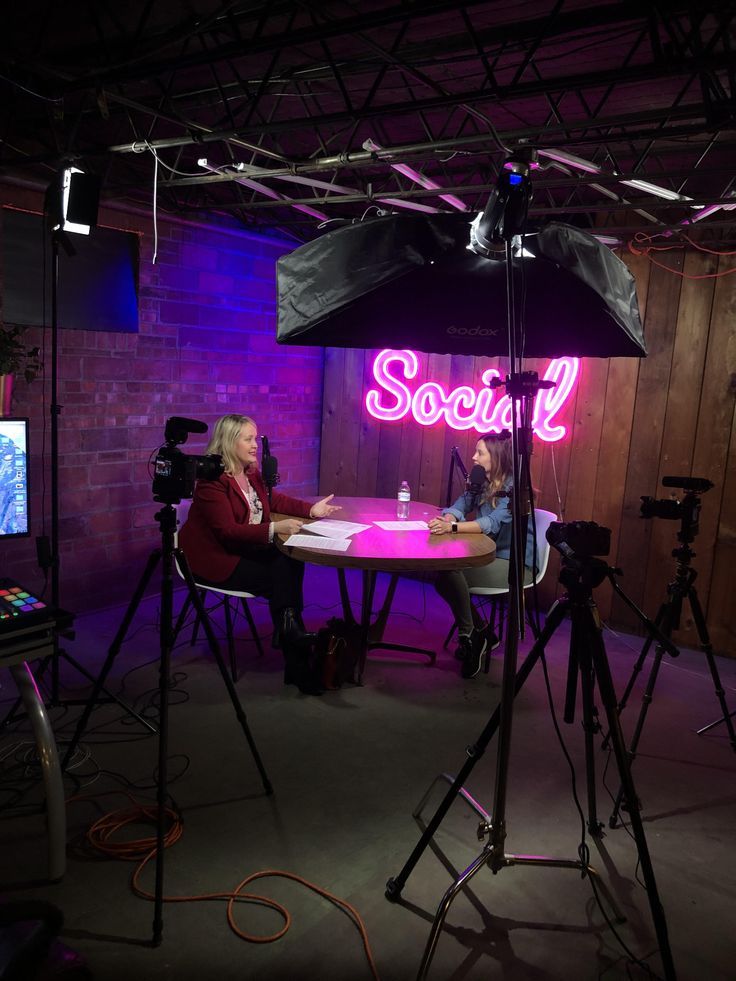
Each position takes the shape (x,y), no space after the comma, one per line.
(228,535)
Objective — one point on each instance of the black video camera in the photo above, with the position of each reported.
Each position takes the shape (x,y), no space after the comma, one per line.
(687,510)
(174,472)
(579,539)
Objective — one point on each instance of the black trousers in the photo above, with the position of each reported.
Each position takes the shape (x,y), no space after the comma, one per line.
(272,575)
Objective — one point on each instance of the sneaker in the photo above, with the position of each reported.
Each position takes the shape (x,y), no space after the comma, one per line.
(474,647)
(492,641)
(491,638)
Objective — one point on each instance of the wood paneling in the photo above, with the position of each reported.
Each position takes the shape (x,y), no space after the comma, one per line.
(630,423)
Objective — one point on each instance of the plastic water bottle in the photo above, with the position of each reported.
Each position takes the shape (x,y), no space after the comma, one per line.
(403,500)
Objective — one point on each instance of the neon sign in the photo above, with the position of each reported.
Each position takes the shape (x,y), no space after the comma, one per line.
(463,407)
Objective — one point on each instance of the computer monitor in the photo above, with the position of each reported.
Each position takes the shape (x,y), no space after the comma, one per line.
(14,485)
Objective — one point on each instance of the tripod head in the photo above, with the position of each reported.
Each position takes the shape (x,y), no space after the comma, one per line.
(578,542)
(686,511)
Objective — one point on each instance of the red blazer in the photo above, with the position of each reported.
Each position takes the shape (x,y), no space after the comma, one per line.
(217,531)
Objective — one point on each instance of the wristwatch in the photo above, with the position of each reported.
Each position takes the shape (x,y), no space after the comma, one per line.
(454,527)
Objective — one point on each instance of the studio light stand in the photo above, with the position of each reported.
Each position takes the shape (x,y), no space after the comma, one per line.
(503,220)
(166,554)
(71,207)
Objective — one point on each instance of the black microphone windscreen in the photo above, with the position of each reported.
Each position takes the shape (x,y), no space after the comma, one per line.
(188,425)
(477,477)
(269,469)
(698,484)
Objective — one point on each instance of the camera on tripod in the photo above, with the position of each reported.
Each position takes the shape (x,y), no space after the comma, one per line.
(687,510)
(174,472)
(580,539)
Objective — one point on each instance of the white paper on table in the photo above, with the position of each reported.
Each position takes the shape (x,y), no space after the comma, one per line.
(323,544)
(403,525)
(332,528)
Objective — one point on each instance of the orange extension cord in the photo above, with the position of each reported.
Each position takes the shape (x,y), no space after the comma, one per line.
(100,837)
(643,244)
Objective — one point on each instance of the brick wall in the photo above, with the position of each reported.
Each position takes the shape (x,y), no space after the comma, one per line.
(206,347)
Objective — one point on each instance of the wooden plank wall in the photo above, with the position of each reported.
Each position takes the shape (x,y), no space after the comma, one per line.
(631,423)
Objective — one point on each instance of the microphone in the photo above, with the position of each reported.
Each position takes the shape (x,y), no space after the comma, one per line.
(697,484)
(269,466)
(476,479)
(269,469)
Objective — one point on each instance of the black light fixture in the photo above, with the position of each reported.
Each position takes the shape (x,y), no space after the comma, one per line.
(73,201)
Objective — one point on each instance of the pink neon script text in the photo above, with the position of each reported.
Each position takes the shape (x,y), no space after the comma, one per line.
(464,407)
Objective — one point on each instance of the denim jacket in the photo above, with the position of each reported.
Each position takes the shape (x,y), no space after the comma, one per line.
(495,522)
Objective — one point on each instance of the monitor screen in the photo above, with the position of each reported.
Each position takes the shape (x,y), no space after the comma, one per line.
(14,491)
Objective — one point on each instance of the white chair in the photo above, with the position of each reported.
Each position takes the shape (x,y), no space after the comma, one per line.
(497,594)
(230,614)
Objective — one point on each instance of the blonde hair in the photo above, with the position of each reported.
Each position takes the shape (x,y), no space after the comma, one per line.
(226,431)
(501,465)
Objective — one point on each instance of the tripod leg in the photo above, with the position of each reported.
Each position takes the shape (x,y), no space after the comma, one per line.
(707,648)
(181,619)
(608,698)
(117,643)
(591,726)
(216,653)
(166,643)
(659,619)
(646,701)
(230,638)
(475,752)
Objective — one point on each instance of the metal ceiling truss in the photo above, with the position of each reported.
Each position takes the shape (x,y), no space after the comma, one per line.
(285,99)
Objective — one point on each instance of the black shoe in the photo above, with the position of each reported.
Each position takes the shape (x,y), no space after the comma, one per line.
(290,630)
(474,647)
(492,641)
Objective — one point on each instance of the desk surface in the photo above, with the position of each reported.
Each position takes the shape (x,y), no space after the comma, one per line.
(396,551)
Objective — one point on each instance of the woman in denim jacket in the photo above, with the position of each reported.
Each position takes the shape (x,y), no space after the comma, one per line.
(492,517)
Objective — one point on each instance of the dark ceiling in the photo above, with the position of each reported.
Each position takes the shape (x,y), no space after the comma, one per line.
(305,110)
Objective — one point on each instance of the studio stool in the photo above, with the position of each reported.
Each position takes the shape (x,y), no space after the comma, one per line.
(230,617)
(226,595)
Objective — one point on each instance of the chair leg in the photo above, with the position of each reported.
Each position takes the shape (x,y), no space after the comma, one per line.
(252,625)
(448,638)
(501,610)
(230,641)
(181,618)
(195,625)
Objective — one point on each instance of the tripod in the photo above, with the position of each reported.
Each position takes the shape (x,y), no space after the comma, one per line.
(588,658)
(168,551)
(668,619)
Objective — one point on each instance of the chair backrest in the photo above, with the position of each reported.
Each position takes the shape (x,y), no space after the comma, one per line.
(543,519)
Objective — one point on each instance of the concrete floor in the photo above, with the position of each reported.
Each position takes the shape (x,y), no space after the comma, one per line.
(348,770)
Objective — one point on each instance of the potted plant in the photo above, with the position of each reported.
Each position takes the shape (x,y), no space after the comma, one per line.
(15,359)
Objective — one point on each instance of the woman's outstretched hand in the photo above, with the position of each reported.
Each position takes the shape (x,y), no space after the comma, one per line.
(323,508)
(288,526)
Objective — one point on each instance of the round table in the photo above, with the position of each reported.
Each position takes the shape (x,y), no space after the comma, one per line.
(397,551)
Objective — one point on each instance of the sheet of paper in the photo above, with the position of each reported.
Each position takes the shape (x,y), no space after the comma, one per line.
(403,525)
(333,528)
(317,541)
